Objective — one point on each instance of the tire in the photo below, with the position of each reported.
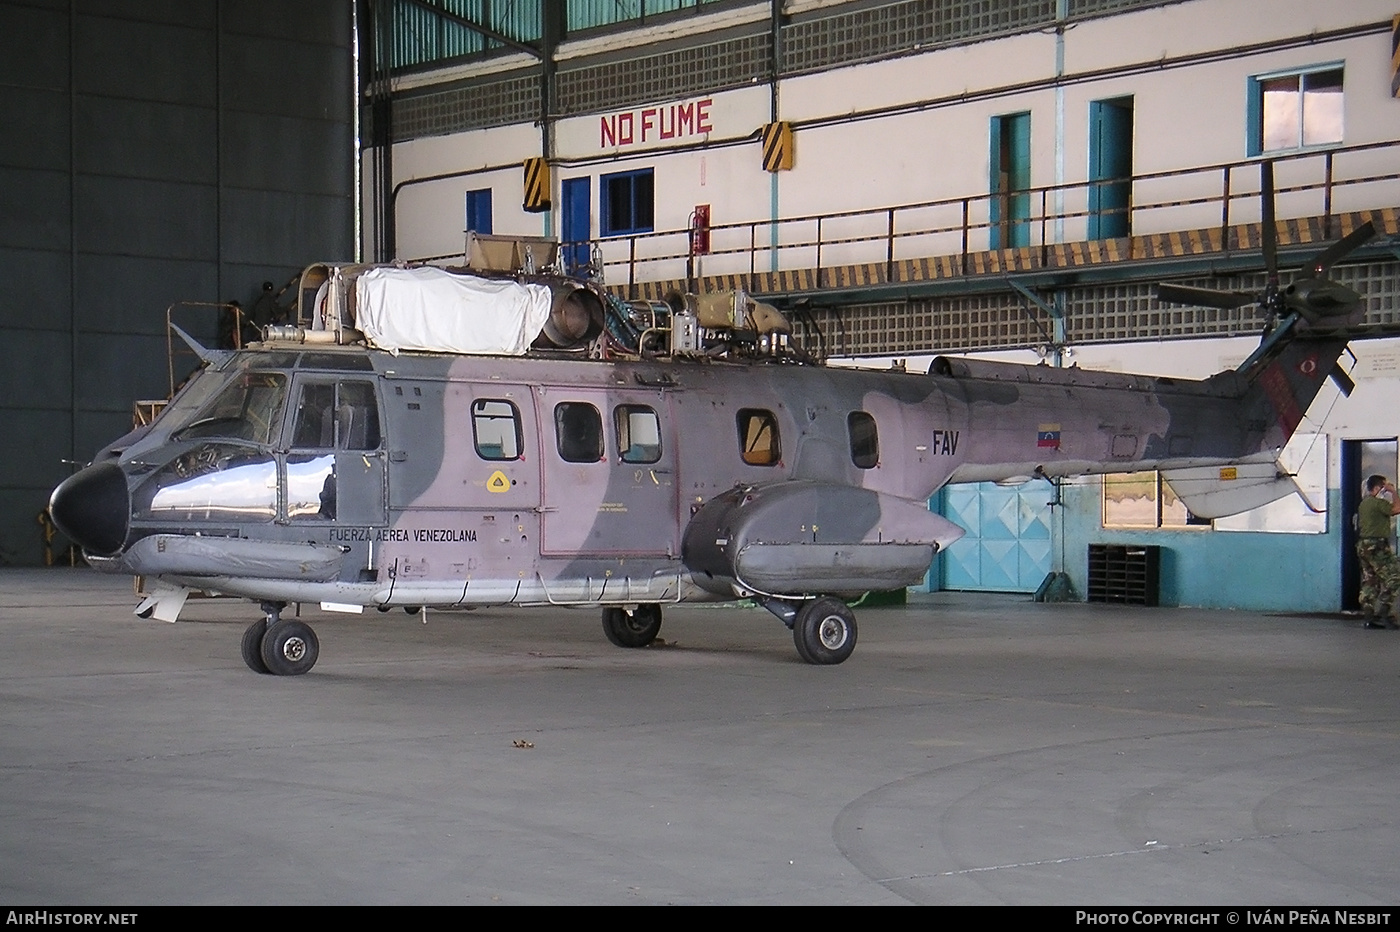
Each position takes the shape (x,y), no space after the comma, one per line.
(824,631)
(635,629)
(290,648)
(252,646)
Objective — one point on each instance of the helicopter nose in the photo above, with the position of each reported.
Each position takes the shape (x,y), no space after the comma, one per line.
(93,507)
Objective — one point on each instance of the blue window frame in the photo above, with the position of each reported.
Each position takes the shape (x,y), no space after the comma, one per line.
(627,202)
(479,211)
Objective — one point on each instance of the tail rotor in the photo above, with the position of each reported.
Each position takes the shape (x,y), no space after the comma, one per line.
(1312,296)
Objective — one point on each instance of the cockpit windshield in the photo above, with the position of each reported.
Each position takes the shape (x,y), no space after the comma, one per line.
(248,408)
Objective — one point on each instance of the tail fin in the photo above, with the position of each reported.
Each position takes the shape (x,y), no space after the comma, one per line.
(1286,373)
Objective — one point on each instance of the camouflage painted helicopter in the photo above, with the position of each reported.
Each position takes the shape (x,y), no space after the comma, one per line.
(457,437)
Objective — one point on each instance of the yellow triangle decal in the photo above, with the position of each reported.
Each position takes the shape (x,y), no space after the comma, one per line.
(498,482)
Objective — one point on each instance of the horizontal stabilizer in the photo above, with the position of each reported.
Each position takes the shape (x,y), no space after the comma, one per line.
(1218,491)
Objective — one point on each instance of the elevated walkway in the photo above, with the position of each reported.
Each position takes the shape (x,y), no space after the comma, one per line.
(1236,247)
(1188,222)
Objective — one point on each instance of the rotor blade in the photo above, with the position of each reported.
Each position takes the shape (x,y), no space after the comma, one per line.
(1332,254)
(1268,232)
(1205,297)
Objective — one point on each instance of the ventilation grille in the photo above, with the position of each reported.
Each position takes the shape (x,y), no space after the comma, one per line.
(808,45)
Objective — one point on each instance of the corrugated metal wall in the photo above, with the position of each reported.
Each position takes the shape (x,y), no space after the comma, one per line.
(150,153)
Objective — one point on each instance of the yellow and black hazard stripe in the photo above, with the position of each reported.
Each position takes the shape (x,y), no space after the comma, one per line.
(777,147)
(1395,56)
(536,185)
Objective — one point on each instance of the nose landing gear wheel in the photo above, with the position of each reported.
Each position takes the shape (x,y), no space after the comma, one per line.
(824,631)
(290,648)
(632,629)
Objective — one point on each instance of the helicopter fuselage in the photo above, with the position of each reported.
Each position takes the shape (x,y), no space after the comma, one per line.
(354,476)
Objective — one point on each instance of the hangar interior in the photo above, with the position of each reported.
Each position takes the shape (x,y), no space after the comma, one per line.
(905,179)
(153,153)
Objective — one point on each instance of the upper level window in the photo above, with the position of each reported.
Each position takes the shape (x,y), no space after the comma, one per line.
(638,433)
(578,430)
(865,439)
(1296,110)
(496,429)
(627,203)
(758,437)
(479,211)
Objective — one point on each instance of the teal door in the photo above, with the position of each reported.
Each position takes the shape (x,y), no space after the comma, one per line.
(1011,181)
(1110,167)
(1007,547)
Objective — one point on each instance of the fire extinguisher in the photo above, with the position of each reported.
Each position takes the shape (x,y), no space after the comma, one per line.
(700,230)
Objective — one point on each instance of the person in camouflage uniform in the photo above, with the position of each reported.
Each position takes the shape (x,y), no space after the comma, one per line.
(1380,571)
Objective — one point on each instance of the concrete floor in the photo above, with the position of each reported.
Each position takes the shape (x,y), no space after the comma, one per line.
(975,749)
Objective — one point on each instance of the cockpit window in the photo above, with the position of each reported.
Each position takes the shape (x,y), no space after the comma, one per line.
(336,416)
(248,408)
(211,482)
(336,361)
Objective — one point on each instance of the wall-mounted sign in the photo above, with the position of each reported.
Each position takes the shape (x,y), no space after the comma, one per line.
(655,124)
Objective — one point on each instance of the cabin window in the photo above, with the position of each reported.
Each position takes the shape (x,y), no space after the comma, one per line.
(865,439)
(578,431)
(1295,110)
(336,416)
(496,429)
(638,433)
(758,437)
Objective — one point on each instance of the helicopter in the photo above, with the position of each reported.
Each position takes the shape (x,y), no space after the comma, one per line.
(489,434)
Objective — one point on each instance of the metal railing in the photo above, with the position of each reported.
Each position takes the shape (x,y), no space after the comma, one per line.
(1324,183)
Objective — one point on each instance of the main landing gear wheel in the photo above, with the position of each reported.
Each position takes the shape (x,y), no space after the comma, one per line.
(824,631)
(252,646)
(632,629)
(290,648)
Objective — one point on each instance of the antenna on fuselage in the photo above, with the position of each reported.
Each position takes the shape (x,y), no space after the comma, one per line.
(210,356)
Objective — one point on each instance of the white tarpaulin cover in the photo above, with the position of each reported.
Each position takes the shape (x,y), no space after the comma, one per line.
(434,310)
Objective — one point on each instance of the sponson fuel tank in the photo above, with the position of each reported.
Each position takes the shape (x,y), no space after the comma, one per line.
(812,536)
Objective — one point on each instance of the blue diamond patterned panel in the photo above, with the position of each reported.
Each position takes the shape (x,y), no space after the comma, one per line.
(1007,547)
